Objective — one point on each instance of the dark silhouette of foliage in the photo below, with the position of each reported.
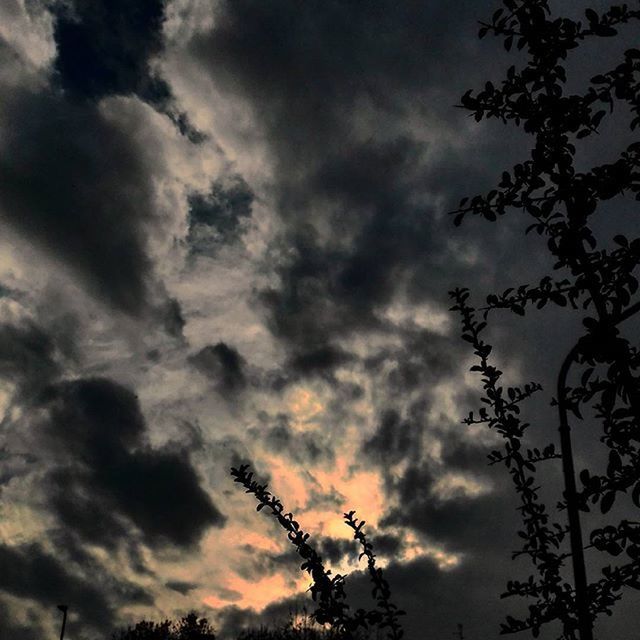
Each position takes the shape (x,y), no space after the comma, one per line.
(298,627)
(189,627)
(598,378)
(327,590)
(387,614)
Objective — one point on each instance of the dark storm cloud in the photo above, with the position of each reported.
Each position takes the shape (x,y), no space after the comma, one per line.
(232,619)
(314,74)
(455,520)
(37,576)
(287,562)
(181,587)
(74,183)
(29,572)
(423,358)
(70,548)
(328,54)
(333,85)
(27,356)
(104,46)
(320,360)
(222,364)
(387,544)
(465,454)
(394,439)
(333,550)
(277,615)
(332,289)
(261,563)
(74,180)
(461,524)
(217,217)
(472,525)
(436,601)
(29,359)
(109,478)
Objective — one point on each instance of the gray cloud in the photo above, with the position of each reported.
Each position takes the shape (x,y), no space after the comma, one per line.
(28,356)
(109,473)
(218,216)
(107,48)
(181,587)
(10,628)
(306,448)
(75,184)
(222,364)
(14,465)
(366,180)
(352,104)
(104,48)
(29,572)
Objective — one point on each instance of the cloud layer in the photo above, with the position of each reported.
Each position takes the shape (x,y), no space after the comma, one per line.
(226,241)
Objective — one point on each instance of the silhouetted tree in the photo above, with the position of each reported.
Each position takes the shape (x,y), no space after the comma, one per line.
(189,627)
(594,275)
(326,590)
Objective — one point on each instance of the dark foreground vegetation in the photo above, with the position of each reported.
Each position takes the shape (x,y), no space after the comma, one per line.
(190,627)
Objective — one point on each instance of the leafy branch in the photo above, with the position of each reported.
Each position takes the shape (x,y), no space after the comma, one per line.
(327,590)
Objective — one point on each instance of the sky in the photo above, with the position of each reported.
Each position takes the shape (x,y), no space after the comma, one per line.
(225,240)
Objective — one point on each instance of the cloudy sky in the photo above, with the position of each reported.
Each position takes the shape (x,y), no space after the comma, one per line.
(225,239)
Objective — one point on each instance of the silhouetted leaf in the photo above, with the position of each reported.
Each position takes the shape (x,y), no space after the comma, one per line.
(607,501)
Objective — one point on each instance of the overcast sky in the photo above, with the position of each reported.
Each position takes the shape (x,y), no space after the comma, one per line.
(225,239)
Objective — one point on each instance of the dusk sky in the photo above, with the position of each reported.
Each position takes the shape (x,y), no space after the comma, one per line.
(225,240)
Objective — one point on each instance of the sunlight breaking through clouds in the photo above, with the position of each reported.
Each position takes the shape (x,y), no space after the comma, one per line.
(225,240)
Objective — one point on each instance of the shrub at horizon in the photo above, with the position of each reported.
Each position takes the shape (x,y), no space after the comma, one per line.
(189,627)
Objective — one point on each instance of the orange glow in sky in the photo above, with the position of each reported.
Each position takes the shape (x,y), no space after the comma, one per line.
(257,594)
(304,405)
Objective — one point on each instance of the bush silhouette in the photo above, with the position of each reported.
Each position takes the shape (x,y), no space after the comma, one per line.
(189,627)
(298,627)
